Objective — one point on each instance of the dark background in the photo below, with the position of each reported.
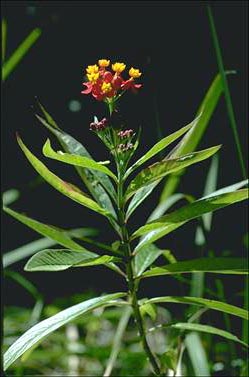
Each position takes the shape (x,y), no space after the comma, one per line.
(171,43)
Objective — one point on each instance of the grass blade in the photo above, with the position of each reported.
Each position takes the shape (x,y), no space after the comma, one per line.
(19,53)
(227,94)
(4,38)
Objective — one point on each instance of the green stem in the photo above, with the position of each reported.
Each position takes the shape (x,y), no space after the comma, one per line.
(132,284)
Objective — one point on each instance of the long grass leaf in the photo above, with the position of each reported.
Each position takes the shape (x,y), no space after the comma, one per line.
(227,94)
(19,53)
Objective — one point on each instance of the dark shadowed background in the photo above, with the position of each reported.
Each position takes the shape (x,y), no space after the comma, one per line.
(171,43)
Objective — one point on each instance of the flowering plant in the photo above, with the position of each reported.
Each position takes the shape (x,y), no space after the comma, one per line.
(116,195)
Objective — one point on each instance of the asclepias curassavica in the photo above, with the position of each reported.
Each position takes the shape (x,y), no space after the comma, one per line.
(116,195)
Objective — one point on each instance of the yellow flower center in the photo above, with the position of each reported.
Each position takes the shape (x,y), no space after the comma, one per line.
(134,73)
(92,69)
(118,67)
(103,63)
(106,87)
(93,77)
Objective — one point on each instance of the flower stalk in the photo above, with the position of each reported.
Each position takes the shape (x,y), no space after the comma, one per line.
(108,87)
(132,283)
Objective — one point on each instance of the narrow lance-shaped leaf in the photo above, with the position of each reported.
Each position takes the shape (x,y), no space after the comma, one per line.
(210,304)
(60,236)
(62,259)
(76,160)
(166,224)
(65,188)
(197,354)
(227,94)
(234,266)
(161,169)
(24,251)
(158,147)
(4,38)
(145,258)
(162,207)
(139,197)
(210,187)
(46,327)
(191,140)
(95,181)
(207,329)
(19,53)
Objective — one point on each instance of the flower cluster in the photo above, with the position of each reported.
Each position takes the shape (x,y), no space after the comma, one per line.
(126,136)
(98,125)
(104,84)
(125,147)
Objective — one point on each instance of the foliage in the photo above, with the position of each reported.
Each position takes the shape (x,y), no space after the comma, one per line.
(113,343)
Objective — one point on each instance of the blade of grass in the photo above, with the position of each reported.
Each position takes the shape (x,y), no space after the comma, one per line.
(117,340)
(4,38)
(227,321)
(19,53)
(227,94)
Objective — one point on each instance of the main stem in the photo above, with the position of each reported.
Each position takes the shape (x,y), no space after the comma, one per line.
(132,284)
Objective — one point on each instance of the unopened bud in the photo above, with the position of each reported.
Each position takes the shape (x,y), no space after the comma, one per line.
(98,126)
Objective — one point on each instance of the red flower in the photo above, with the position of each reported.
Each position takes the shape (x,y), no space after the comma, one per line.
(130,84)
(103,84)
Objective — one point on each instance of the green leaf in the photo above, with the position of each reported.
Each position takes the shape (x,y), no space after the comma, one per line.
(227,94)
(10,196)
(60,236)
(46,327)
(139,197)
(49,123)
(145,258)
(65,188)
(4,38)
(158,147)
(94,180)
(197,354)
(207,329)
(161,169)
(166,224)
(214,265)
(19,53)
(162,207)
(76,160)
(148,309)
(227,189)
(31,248)
(210,187)
(117,340)
(191,140)
(210,304)
(26,284)
(62,259)
(169,360)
